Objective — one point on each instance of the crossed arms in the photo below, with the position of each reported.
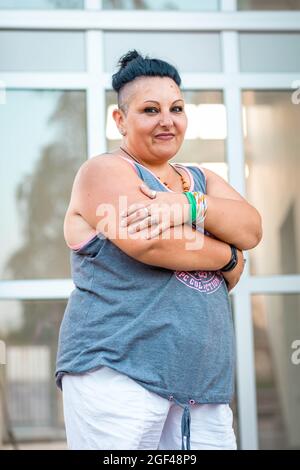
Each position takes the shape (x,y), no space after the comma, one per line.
(230,218)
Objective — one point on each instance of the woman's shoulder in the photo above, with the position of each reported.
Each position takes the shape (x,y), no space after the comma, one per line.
(76,229)
(97,161)
(104,161)
(106,173)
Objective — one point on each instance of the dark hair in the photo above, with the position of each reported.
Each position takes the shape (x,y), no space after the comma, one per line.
(133,65)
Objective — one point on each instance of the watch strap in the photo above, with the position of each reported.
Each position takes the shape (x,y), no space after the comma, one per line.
(233,260)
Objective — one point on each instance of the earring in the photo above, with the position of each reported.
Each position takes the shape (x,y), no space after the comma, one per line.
(122,131)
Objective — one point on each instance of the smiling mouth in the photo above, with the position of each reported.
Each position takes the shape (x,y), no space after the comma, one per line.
(165,136)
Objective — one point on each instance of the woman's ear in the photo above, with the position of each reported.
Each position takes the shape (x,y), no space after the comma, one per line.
(119,120)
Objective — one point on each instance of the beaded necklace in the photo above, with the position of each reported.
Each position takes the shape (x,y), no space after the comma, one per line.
(185,184)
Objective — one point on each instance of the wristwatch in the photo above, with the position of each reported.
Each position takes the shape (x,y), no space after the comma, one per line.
(233,260)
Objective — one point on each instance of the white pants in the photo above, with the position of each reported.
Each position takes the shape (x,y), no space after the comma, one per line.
(106,410)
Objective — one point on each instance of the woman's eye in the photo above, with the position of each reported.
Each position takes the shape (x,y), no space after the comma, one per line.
(150,110)
(178,109)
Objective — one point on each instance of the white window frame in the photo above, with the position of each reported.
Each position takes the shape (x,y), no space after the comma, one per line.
(95,82)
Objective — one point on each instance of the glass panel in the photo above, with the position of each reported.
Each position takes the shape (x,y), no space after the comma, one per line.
(268,4)
(206,133)
(273,174)
(43,143)
(204,49)
(32,401)
(41,4)
(276,320)
(257,52)
(202,5)
(205,137)
(42,51)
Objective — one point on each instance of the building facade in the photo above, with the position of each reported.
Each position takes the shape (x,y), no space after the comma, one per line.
(240,65)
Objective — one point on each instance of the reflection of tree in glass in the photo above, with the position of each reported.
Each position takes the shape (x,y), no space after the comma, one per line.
(41,321)
(43,196)
(42,199)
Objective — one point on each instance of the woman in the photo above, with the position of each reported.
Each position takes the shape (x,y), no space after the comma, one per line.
(146,347)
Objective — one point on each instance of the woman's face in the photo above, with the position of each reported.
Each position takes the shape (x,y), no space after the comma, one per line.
(154,106)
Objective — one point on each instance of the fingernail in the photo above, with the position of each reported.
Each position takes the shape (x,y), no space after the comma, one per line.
(131,230)
(123,223)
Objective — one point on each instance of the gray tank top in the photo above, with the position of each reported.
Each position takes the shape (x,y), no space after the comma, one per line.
(170,331)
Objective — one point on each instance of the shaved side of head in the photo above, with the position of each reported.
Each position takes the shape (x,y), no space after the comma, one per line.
(126,94)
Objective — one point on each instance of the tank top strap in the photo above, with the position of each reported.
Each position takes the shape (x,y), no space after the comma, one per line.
(149,178)
(199,177)
(196,174)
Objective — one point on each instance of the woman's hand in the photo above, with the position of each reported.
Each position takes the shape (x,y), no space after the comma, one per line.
(169,210)
(233,277)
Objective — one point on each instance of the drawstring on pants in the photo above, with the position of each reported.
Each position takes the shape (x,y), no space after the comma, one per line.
(185,426)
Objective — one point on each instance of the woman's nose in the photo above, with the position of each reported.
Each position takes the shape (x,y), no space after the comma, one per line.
(166,120)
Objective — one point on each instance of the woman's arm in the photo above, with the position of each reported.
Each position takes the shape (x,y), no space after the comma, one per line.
(234,222)
(229,217)
(101,185)
(186,250)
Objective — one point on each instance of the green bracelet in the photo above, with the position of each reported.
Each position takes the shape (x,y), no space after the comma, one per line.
(193,204)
